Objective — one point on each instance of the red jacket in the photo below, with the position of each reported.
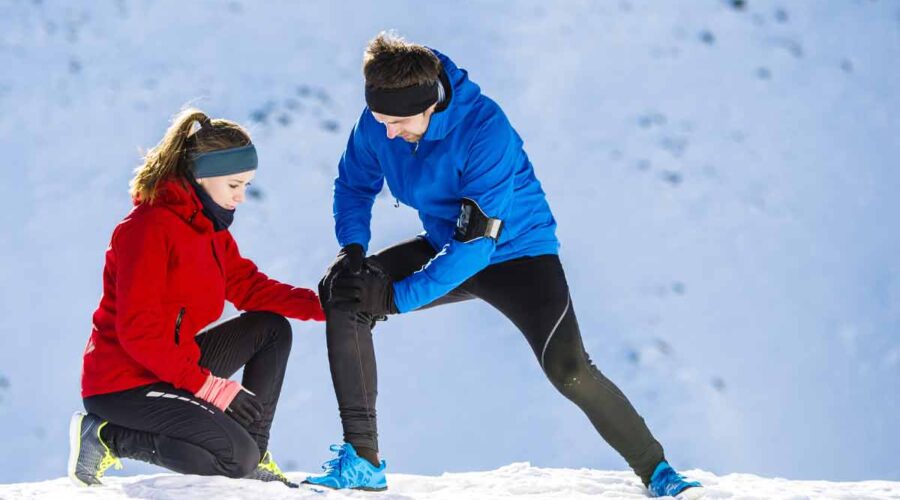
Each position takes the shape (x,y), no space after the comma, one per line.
(167,276)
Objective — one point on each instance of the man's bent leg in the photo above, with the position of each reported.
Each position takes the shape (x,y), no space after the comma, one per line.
(533,293)
(351,357)
(351,353)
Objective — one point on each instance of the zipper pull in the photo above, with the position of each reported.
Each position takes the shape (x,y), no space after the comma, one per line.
(416,148)
(178,325)
(396,203)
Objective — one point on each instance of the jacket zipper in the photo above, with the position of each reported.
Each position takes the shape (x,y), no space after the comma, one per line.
(415,150)
(216,256)
(178,324)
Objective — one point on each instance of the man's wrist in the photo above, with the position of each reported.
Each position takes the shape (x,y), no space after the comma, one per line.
(391,305)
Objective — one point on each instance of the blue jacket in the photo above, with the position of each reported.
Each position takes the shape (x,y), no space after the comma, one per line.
(470,150)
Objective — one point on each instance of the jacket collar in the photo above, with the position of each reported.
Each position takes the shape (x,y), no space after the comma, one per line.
(176,195)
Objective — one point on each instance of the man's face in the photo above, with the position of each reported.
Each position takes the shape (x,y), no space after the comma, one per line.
(409,128)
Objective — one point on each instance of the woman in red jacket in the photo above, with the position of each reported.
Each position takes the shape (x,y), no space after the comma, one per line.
(154,388)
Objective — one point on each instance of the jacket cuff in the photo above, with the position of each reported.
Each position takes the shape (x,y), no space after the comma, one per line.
(402,296)
(195,380)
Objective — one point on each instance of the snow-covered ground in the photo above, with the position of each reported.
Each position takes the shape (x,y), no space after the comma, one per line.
(725,181)
(518,480)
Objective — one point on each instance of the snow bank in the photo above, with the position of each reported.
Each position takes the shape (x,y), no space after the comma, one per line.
(518,480)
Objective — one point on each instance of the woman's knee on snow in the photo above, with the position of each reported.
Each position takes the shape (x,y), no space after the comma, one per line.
(244,460)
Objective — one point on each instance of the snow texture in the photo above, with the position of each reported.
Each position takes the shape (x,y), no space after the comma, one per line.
(518,480)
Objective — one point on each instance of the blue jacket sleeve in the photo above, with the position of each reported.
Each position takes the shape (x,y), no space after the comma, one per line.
(360,179)
(488,179)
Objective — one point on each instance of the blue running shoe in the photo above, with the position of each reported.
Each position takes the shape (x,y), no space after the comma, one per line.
(665,482)
(350,471)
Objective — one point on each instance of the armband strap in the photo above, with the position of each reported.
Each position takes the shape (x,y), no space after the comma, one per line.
(474,224)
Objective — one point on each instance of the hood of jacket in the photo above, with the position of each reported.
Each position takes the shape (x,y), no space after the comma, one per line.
(463,96)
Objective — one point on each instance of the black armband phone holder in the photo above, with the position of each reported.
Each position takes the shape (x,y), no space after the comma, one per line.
(474,224)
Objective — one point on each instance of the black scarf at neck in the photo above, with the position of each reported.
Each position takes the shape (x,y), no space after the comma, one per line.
(220,217)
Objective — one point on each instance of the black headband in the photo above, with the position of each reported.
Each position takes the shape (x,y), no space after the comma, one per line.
(408,101)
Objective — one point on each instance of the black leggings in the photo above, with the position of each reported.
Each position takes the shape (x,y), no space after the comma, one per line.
(172,428)
(532,292)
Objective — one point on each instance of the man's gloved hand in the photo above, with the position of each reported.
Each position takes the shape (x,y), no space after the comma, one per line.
(349,259)
(371,291)
(245,408)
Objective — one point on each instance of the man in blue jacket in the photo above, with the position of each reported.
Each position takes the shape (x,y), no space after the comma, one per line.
(489,234)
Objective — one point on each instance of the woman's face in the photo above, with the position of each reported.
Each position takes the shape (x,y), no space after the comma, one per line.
(228,191)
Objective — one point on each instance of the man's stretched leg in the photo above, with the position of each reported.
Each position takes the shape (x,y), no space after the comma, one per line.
(351,354)
(532,292)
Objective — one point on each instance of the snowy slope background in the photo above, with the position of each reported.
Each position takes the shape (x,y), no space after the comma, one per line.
(724,179)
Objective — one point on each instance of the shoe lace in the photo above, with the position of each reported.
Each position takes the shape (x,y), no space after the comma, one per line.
(108,460)
(670,481)
(335,465)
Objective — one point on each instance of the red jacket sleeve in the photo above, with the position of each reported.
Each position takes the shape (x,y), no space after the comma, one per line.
(250,290)
(142,255)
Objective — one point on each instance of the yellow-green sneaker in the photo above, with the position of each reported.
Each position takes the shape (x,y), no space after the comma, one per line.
(268,470)
(89,456)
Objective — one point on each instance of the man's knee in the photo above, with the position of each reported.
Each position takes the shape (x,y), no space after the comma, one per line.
(341,321)
(565,369)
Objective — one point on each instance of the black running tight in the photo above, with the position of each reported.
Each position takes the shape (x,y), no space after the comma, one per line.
(532,292)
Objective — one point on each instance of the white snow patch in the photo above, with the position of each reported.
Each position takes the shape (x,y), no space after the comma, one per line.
(517,480)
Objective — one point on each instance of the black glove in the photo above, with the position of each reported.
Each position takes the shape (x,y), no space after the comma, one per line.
(350,258)
(245,408)
(371,291)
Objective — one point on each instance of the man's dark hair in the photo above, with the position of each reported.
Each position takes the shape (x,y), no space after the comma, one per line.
(390,62)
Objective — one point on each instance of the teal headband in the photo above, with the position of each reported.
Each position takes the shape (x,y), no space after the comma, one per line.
(225,162)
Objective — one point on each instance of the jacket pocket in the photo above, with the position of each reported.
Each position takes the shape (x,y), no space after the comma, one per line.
(178,325)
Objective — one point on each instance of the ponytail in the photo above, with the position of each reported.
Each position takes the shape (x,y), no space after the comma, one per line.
(165,159)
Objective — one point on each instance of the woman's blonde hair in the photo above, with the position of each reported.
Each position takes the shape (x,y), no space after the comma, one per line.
(172,156)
